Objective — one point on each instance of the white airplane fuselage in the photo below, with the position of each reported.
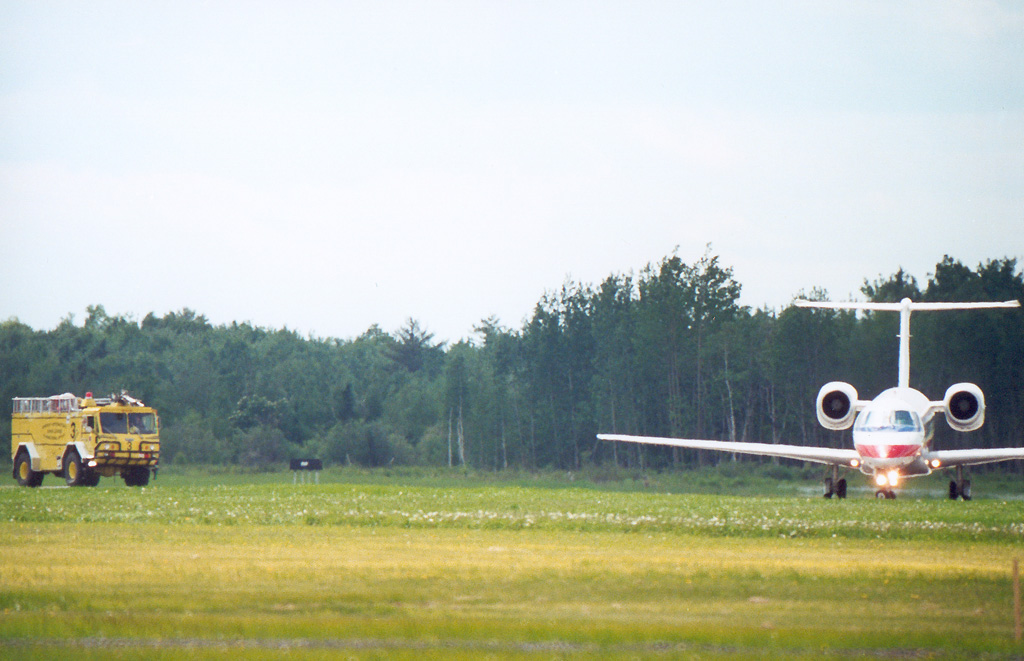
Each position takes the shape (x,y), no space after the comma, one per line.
(893,433)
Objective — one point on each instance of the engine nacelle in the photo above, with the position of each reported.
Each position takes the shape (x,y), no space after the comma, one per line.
(964,405)
(836,405)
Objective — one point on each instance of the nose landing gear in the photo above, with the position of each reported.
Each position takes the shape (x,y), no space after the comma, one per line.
(886,483)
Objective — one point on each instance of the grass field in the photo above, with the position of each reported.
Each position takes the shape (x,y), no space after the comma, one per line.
(366,565)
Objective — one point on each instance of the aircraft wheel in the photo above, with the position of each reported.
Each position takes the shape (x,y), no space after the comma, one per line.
(891,495)
(841,488)
(829,489)
(953,490)
(881,494)
(965,489)
(23,472)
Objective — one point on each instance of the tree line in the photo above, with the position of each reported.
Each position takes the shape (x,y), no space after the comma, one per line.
(668,351)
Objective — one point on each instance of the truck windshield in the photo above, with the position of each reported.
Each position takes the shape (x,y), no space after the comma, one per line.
(114,423)
(124,423)
(142,423)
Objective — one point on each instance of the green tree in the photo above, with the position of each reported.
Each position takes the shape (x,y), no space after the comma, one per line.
(895,288)
(414,349)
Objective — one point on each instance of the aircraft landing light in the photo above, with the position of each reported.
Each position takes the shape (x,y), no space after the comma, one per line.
(890,479)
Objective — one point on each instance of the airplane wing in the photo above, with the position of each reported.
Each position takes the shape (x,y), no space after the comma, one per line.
(820,455)
(948,458)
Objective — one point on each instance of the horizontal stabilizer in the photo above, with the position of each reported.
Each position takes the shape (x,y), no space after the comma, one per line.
(906,304)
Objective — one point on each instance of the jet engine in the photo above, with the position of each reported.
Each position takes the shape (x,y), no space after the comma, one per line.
(964,405)
(836,405)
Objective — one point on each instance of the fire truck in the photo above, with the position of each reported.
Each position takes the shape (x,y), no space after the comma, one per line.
(82,439)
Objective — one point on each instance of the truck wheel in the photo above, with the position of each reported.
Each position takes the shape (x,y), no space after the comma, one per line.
(23,472)
(75,472)
(136,476)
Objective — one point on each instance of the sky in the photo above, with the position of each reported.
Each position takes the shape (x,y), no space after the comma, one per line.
(330,166)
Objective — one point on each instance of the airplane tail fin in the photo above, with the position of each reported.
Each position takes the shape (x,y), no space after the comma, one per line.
(904,307)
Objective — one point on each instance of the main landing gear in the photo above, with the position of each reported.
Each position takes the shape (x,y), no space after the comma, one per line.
(960,487)
(888,494)
(834,486)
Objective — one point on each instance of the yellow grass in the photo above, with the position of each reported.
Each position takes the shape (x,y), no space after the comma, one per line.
(144,589)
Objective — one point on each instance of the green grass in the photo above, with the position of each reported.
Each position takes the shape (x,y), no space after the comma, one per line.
(742,478)
(431,565)
(511,507)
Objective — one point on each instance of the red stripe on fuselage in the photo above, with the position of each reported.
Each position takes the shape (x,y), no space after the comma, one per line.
(888,451)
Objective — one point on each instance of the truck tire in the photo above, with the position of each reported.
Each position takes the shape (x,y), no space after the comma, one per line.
(136,476)
(23,472)
(75,472)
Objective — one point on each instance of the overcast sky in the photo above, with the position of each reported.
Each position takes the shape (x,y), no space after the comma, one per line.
(327,166)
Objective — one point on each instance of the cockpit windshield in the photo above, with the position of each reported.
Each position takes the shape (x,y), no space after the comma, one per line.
(888,420)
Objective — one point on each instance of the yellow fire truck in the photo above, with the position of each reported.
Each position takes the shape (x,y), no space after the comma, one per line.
(82,439)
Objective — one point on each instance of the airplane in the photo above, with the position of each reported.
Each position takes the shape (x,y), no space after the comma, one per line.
(892,433)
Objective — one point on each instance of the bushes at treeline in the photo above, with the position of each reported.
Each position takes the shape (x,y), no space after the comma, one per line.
(668,351)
